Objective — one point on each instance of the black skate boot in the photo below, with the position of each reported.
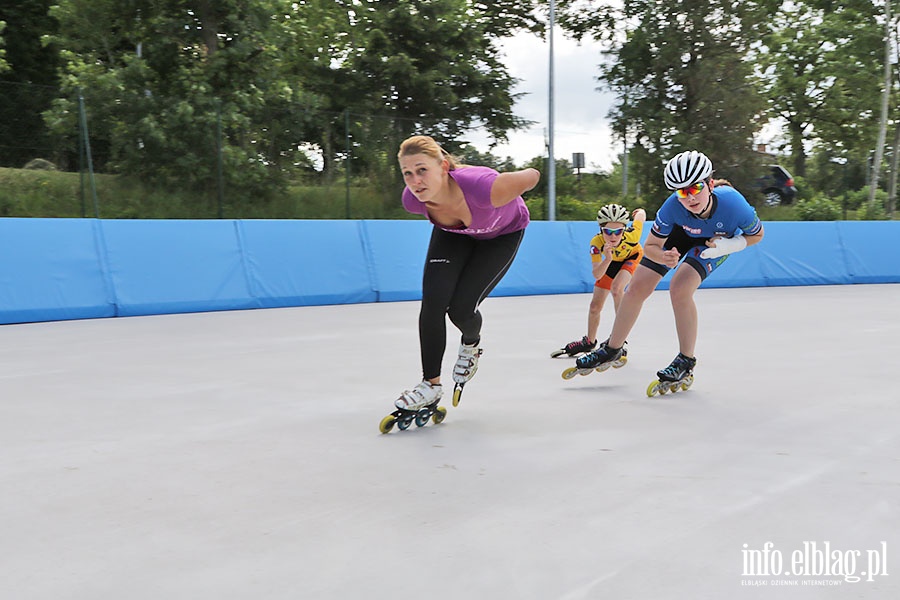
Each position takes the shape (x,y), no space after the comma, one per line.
(603,355)
(677,376)
(599,360)
(575,348)
(679,369)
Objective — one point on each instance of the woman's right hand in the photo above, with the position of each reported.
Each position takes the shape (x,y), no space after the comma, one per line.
(671,257)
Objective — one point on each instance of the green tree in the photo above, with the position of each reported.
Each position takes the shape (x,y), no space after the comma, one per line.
(821,68)
(28,80)
(3,64)
(160,79)
(416,66)
(682,80)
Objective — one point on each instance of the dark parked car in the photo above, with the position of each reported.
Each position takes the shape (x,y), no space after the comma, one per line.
(777,186)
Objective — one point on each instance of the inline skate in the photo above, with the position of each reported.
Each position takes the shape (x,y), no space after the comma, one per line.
(679,375)
(416,405)
(465,368)
(576,348)
(599,360)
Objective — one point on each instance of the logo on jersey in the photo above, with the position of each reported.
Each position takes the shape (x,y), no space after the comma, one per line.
(692,230)
(659,224)
(595,250)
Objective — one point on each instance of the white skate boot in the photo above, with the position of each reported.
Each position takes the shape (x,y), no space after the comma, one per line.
(467,363)
(422,395)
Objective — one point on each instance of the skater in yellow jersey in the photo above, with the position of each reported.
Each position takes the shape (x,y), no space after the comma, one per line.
(615,252)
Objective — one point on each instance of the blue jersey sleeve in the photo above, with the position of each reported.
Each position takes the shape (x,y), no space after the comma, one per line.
(666,219)
(750,223)
(742,214)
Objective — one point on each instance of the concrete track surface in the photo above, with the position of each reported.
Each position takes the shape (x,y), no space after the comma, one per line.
(236,455)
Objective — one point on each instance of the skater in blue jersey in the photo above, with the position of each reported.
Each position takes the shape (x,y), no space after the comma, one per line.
(695,230)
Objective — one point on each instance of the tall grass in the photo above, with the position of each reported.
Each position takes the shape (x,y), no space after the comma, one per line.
(44,193)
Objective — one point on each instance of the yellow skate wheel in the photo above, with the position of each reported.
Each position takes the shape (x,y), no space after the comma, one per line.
(569,373)
(387,424)
(687,382)
(653,389)
(621,362)
(456,395)
(439,414)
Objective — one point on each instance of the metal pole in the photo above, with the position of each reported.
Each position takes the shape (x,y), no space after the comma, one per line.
(81,164)
(625,165)
(625,153)
(347,158)
(551,161)
(87,150)
(220,176)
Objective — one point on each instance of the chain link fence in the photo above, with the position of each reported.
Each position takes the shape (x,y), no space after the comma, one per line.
(140,157)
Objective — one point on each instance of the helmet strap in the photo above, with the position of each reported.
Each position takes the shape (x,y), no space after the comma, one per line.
(704,209)
(708,202)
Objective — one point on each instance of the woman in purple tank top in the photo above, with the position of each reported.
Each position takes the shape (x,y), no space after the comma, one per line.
(479,220)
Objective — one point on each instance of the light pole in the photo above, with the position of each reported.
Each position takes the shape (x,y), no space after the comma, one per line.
(551,161)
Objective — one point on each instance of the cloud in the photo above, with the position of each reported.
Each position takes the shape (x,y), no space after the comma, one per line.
(580,122)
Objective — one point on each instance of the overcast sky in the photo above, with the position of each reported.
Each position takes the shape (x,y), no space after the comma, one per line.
(580,122)
(580,111)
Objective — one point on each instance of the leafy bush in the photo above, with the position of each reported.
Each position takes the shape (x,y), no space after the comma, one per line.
(571,209)
(818,209)
(853,199)
(874,211)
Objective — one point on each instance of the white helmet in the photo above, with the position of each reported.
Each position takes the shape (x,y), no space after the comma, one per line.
(686,169)
(612,212)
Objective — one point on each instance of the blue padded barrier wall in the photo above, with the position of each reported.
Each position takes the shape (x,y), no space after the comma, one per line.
(51,270)
(396,254)
(795,253)
(547,263)
(870,250)
(176,266)
(298,263)
(809,253)
(54,269)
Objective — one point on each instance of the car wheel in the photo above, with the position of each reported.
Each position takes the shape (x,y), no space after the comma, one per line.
(773,198)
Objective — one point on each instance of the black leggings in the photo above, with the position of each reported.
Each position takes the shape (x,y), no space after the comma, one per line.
(460,272)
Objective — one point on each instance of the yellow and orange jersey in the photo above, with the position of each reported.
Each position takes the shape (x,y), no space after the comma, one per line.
(629,246)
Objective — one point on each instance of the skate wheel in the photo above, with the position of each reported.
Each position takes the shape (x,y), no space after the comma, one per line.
(387,424)
(603,367)
(457,393)
(686,383)
(569,373)
(439,414)
(621,362)
(404,423)
(653,389)
(422,417)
